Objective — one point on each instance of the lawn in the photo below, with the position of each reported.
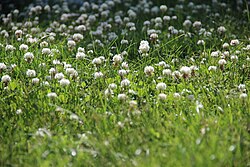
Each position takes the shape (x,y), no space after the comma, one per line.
(125,83)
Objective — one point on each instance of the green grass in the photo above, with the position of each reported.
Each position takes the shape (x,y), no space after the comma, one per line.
(83,127)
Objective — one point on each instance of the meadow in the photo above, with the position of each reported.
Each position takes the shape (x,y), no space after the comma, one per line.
(125,83)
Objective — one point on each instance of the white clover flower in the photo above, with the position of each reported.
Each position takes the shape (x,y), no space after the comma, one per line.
(201,42)
(162,96)
(97,61)
(176,95)
(10,48)
(215,54)
(117,59)
(122,72)
(153,37)
(64,82)
(28,57)
(132,104)
(35,80)
(125,83)
(163,8)
(144,47)
(225,46)
(212,68)
(77,37)
(52,71)
(149,70)
(187,23)
(80,55)
(80,49)
(98,75)
(2,66)
(18,33)
(46,51)
(221,30)
(161,86)
(31,73)
(108,92)
(243,96)
(222,62)
(112,86)
(71,44)
(234,42)
(242,87)
(6,78)
(197,24)
(122,97)
(166,72)
(186,71)
(44,44)
(52,95)
(234,57)
(125,65)
(59,76)
(23,47)
(176,74)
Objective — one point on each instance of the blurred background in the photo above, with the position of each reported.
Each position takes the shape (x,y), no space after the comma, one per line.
(8,5)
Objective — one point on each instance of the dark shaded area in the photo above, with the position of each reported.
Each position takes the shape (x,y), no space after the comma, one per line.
(8,5)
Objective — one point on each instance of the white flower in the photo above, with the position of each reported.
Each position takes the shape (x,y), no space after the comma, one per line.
(78,37)
(23,47)
(122,72)
(166,72)
(97,61)
(222,62)
(122,97)
(2,66)
(10,48)
(187,23)
(125,65)
(31,73)
(52,71)
(163,8)
(162,96)
(215,54)
(161,86)
(59,76)
(144,47)
(46,51)
(98,75)
(112,86)
(234,42)
(242,87)
(125,83)
(80,55)
(28,56)
(44,44)
(243,95)
(234,58)
(18,33)
(176,95)
(185,70)
(71,44)
(64,82)
(212,68)
(117,59)
(132,104)
(221,30)
(176,74)
(149,70)
(35,80)
(6,78)
(52,95)
(225,45)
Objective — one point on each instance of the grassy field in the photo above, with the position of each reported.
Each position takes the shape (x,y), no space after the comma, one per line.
(121,83)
